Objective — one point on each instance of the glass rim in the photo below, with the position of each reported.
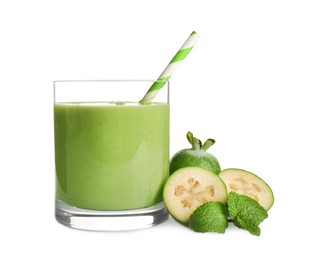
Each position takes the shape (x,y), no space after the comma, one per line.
(110,80)
(60,85)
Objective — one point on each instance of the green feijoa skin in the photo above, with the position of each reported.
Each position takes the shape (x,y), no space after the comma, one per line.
(196,156)
(249,184)
(190,187)
(210,217)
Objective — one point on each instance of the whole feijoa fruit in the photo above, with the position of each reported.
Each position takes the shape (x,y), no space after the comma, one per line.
(195,156)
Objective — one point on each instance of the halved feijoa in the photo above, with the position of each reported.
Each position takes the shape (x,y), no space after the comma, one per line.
(190,187)
(249,184)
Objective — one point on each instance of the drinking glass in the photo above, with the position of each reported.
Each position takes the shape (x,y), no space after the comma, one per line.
(111,154)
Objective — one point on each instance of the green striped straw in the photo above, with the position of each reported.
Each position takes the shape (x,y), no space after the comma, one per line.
(170,69)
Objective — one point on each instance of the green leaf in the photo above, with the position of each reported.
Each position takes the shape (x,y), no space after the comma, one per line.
(210,217)
(247,224)
(246,212)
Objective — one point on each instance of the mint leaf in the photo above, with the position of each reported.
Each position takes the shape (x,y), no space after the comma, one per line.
(246,212)
(210,217)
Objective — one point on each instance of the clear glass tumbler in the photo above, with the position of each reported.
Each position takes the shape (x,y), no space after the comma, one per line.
(111,154)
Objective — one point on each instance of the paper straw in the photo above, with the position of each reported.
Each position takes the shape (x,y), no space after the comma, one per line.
(170,69)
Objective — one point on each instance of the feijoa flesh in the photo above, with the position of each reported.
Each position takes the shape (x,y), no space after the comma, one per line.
(190,187)
(249,184)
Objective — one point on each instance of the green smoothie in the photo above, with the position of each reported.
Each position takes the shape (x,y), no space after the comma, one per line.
(111,156)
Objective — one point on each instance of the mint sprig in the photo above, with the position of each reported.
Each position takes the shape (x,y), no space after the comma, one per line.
(246,213)
(210,217)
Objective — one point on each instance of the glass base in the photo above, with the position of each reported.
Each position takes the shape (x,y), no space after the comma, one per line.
(119,220)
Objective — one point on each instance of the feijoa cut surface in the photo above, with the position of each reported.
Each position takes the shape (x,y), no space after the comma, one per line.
(249,184)
(190,187)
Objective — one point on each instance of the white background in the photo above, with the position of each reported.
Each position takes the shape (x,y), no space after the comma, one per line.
(247,84)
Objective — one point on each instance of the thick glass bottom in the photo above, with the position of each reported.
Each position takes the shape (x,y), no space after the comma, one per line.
(119,220)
